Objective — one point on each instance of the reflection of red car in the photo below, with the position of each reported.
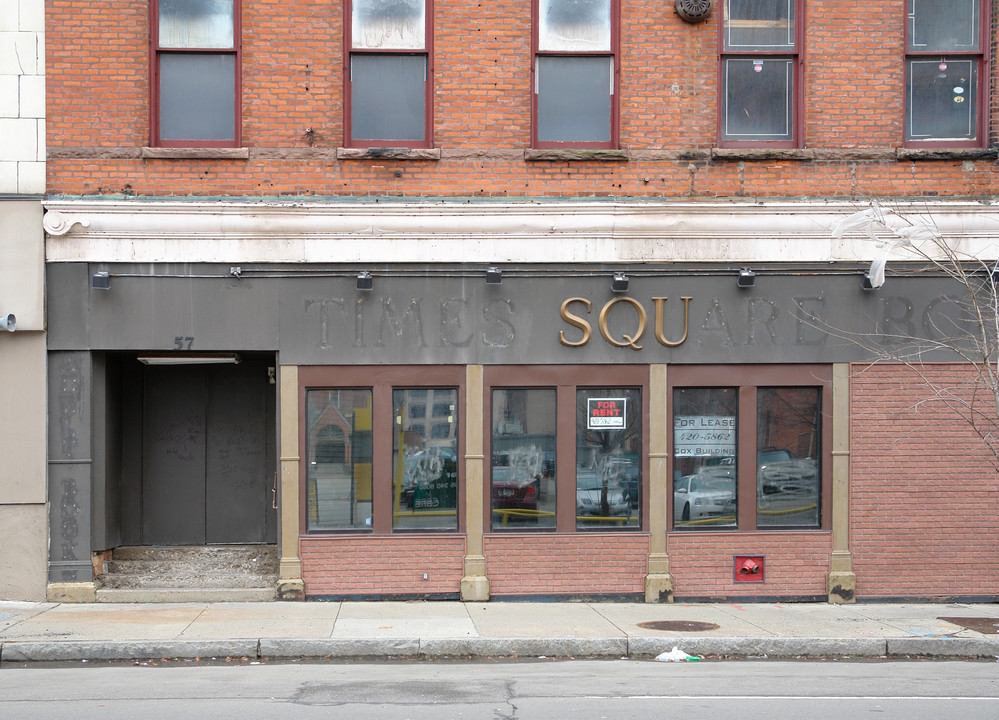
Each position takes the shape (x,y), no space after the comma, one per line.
(513,487)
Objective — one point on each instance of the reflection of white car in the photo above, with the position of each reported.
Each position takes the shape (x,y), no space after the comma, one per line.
(778,472)
(708,494)
(589,495)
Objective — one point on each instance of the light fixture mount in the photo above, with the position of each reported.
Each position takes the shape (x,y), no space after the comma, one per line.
(101,281)
(693,11)
(747,278)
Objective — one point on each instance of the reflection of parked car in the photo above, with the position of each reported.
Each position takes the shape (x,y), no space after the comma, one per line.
(590,496)
(778,472)
(513,487)
(710,493)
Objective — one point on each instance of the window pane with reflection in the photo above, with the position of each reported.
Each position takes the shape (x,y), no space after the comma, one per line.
(787,452)
(522,467)
(608,458)
(338,449)
(425,471)
(704,457)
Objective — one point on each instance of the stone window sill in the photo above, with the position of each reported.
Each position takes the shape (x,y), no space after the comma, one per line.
(946,153)
(388,153)
(739,154)
(201,153)
(576,155)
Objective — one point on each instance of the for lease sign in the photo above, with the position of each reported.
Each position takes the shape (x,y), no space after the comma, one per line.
(606,413)
(703,435)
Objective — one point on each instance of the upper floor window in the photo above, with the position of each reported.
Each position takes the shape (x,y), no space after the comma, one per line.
(196,73)
(760,84)
(388,67)
(575,75)
(944,71)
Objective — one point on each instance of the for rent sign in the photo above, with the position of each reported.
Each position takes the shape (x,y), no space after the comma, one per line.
(606,413)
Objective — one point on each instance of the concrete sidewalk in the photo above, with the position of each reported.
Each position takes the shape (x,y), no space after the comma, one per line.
(31,632)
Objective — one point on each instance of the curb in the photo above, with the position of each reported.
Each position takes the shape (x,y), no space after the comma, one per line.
(124,650)
(477,647)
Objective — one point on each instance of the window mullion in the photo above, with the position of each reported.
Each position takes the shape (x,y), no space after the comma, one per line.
(746,464)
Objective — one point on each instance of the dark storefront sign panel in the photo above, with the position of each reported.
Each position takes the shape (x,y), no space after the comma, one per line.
(458,320)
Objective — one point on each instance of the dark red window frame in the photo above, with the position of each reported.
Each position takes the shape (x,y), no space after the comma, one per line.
(747,380)
(156,51)
(565,380)
(983,85)
(381,381)
(798,93)
(614,53)
(349,138)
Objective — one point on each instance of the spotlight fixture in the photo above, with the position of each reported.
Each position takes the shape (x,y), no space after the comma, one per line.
(747,278)
(620,283)
(8,323)
(866,283)
(494,276)
(101,281)
(365,281)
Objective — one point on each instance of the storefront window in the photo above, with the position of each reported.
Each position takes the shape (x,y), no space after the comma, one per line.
(522,472)
(787,452)
(339,450)
(425,461)
(608,458)
(704,462)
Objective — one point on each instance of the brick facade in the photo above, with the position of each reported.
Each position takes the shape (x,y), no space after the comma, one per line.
(795,565)
(366,566)
(924,498)
(572,564)
(292,81)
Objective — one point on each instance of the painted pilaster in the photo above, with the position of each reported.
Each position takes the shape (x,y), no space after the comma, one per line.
(474,583)
(71,573)
(658,581)
(290,583)
(842,583)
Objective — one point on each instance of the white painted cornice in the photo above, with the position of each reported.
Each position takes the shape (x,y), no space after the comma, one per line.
(135,230)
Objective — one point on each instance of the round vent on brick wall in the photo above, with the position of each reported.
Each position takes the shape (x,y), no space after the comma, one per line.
(693,11)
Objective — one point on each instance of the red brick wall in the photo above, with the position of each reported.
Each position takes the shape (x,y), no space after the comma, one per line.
(98,115)
(924,496)
(569,564)
(383,566)
(796,564)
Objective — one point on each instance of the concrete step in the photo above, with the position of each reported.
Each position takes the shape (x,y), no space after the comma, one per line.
(183,595)
(190,574)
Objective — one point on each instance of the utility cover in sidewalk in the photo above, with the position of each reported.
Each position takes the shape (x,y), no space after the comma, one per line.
(984,625)
(678,625)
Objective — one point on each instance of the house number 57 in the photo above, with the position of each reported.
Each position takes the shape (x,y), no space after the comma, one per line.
(182,343)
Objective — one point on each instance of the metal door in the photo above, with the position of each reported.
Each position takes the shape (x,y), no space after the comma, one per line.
(205,459)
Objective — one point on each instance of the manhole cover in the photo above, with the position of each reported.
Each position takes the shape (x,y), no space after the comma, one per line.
(987,626)
(678,625)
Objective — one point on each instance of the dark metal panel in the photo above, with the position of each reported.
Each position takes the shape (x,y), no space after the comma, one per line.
(417,316)
(69,383)
(173,473)
(67,307)
(237,483)
(131,439)
(180,305)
